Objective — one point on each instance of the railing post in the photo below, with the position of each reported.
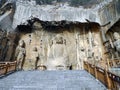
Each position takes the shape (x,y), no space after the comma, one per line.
(85,67)
(15,65)
(107,78)
(88,67)
(6,70)
(95,70)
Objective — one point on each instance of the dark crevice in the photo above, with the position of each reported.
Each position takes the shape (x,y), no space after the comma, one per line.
(54,26)
(24,28)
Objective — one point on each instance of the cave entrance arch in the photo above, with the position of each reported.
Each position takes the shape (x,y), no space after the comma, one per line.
(60,45)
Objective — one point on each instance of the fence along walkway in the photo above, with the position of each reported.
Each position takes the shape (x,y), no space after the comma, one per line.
(7,67)
(110,80)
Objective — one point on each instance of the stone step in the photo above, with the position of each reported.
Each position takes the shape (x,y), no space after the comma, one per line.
(51,80)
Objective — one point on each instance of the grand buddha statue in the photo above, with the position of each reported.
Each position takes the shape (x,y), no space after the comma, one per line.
(57,55)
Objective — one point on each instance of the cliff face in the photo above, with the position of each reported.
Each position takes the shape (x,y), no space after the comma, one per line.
(61,47)
(100,12)
(64,44)
(106,11)
(25,11)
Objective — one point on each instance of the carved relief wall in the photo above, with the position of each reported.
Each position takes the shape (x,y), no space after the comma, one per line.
(61,48)
(112,44)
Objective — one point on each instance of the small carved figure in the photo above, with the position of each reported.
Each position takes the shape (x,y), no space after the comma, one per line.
(117,41)
(97,51)
(20,54)
(89,53)
(116,44)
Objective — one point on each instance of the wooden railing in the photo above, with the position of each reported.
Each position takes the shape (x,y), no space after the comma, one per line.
(6,67)
(110,80)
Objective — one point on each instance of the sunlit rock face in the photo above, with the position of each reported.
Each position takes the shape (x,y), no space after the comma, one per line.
(100,12)
(55,48)
(25,11)
(60,48)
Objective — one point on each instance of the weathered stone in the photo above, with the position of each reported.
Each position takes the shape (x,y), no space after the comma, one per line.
(3,48)
(34,58)
(58,48)
(11,46)
(117,41)
(57,56)
(20,54)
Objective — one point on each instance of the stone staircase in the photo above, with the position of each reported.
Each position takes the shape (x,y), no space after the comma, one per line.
(50,80)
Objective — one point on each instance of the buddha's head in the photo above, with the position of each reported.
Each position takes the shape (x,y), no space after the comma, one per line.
(116,35)
(58,39)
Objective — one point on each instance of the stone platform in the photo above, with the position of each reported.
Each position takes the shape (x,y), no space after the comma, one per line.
(50,80)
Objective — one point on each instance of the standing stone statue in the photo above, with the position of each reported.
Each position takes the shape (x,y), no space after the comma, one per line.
(97,51)
(57,56)
(90,55)
(34,58)
(117,43)
(20,54)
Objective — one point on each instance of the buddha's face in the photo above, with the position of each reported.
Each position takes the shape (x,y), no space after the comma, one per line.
(59,40)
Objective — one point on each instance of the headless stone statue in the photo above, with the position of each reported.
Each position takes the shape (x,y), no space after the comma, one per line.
(57,57)
(20,54)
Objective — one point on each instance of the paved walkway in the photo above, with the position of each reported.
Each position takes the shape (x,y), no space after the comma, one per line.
(50,80)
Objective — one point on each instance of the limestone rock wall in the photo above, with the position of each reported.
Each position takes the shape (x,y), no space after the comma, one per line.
(110,13)
(6,21)
(60,48)
(7,46)
(107,10)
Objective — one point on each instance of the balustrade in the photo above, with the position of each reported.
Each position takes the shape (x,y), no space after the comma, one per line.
(7,67)
(110,80)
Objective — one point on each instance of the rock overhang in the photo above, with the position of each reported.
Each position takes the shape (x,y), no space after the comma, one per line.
(56,25)
(102,13)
